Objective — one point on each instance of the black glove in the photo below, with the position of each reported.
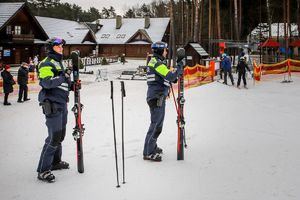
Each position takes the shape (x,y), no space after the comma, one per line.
(181,64)
(68,72)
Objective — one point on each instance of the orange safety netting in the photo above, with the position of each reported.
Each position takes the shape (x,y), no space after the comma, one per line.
(287,66)
(198,75)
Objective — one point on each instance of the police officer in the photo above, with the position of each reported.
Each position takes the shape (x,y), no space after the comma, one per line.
(53,97)
(159,78)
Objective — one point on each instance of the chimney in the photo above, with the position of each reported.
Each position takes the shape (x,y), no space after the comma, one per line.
(147,21)
(118,22)
(98,25)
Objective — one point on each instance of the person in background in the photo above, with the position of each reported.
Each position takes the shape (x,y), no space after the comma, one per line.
(122,58)
(241,54)
(1,67)
(226,65)
(36,61)
(31,65)
(53,97)
(8,83)
(241,69)
(23,81)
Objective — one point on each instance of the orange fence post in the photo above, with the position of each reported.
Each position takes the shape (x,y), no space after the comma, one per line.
(212,69)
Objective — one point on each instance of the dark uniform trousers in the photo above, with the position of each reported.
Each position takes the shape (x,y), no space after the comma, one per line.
(156,125)
(52,150)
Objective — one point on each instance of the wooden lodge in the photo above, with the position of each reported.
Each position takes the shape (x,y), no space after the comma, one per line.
(23,35)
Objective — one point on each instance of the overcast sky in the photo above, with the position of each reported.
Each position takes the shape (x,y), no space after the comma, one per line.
(120,5)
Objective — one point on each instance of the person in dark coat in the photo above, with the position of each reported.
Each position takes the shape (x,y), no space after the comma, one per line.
(241,69)
(23,81)
(226,65)
(8,83)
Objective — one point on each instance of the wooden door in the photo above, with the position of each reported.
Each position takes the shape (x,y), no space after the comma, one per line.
(17,56)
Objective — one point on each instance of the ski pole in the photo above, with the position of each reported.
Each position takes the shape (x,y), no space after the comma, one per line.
(123,95)
(114,129)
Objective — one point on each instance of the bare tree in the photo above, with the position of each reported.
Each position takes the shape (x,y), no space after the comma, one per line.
(236,24)
(240,18)
(171,8)
(189,19)
(288,18)
(231,19)
(298,16)
(182,21)
(285,27)
(218,18)
(269,17)
(201,20)
(196,24)
(209,25)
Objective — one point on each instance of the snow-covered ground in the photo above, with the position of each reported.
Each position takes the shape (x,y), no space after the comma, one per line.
(242,144)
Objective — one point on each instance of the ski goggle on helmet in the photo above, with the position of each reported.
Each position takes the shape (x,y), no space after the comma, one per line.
(56,41)
(159,45)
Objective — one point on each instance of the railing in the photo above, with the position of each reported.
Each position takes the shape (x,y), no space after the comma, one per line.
(88,61)
(23,37)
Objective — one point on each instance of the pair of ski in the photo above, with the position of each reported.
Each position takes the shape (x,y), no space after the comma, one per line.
(181,142)
(123,94)
(238,87)
(78,130)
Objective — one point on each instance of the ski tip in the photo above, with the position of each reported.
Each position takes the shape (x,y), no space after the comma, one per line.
(75,58)
(118,186)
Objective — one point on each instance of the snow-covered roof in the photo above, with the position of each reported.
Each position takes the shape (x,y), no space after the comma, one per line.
(108,34)
(199,49)
(71,31)
(274,30)
(7,10)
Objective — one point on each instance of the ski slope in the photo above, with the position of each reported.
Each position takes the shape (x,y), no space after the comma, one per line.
(242,144)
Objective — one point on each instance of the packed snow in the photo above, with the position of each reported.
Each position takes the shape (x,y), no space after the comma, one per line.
(242,144)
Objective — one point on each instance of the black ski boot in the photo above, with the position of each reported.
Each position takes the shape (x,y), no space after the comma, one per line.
(158,150)
(46,176)
(60,165)
(153,157)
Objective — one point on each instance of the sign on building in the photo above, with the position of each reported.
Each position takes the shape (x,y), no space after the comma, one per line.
(6,52)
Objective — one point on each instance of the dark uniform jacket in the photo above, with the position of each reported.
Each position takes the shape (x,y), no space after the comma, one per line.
(23,76)
(159,77)
(55,86)
(8,82)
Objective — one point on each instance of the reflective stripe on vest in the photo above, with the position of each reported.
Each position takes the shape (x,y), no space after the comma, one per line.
(161,69)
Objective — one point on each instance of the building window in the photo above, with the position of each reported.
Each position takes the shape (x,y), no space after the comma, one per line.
(8,30)
(17,30)
(106,36)
(121,36)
